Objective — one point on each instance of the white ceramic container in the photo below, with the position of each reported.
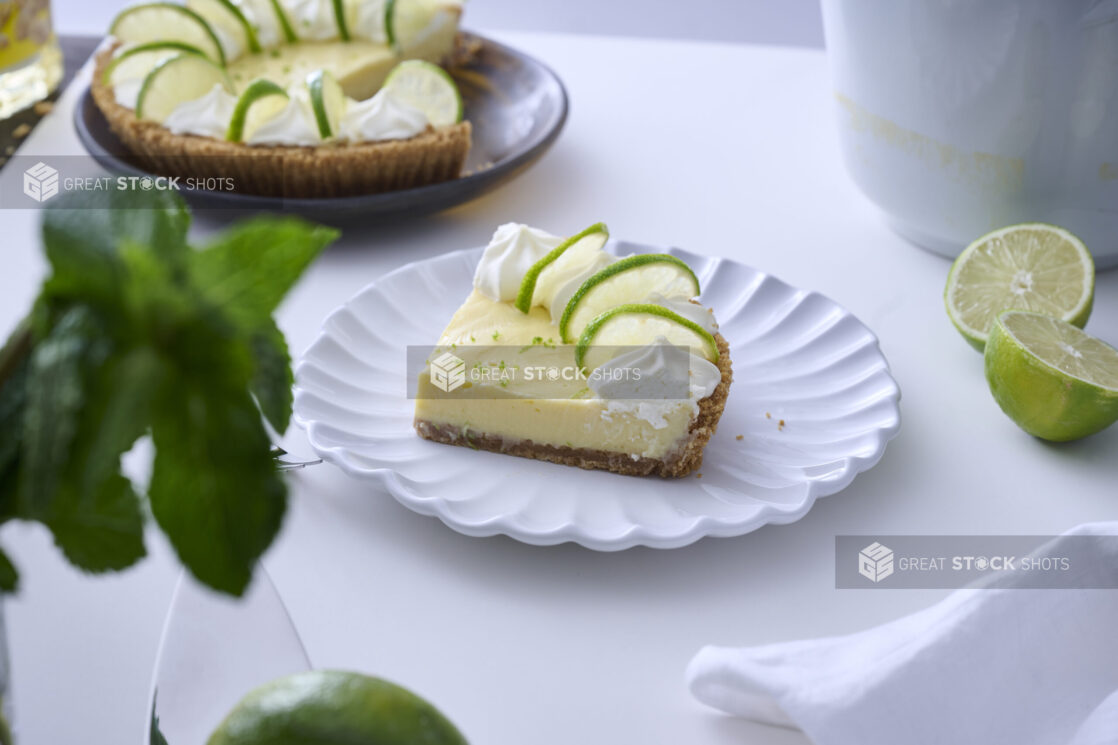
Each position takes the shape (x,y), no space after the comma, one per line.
(960,116)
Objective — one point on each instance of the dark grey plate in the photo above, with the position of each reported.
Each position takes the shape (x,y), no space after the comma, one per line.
(516,104)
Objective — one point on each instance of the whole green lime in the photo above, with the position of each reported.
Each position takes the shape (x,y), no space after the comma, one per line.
(331,707)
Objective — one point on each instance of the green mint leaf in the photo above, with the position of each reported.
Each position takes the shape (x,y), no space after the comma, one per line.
(55,395)
(99,529)
(272,378)
(214,489)
(9,492)
(5,729)
(83,231)
(155,735)
(13,386)
(96,515)
(118,412)
(13,398)
(9,576)
(248,269)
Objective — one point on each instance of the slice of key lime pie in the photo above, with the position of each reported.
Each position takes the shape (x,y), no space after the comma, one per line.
(298,98)
(566,353)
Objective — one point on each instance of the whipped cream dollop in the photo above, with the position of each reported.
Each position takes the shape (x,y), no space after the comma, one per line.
(649,384)
(293,125)
(567,285)
(513,250)
(127,91)
(655,371)
(385,116)
(208,116)
(263,19)
(699,314)
(230,43)
(366,19)
(312,19)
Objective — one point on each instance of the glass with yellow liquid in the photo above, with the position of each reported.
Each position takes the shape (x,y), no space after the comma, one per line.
(30,60)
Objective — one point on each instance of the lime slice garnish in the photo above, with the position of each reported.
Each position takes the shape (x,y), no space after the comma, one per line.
(327,100)
(167,22)
(332,706)
(184,77)
(1033,267)
(573,249)
(626,281)
(428,88)
(638,324)
(340,19)
(408,23)
(259,102)
(224,15)
(1053,379)
(134,63)
(284,22)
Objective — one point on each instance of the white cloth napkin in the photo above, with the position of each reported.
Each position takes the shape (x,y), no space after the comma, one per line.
(983,667)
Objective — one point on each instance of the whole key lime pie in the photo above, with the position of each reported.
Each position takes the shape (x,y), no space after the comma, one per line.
(296,98)
(566,353)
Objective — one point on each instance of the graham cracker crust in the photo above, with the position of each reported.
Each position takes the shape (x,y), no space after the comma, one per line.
(685,459)
(323,171)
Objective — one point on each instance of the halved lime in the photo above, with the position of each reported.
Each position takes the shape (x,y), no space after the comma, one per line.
(1053,379)
(259,102)
(327,100)
(637,324)
(184,77)
(134,63)
(408,23)
(626,281)
(1033,266)
(167,22)
(330,706)
(428,88)
(224,15)
(573,250)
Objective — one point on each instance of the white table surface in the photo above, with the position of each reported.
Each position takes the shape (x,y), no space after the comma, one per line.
(721,149)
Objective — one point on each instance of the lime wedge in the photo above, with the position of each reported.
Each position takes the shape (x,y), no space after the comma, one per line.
(414,26)
(1054,380)
(332,706)
(182,78)
(134,63)
(625,281)
(259,102)
(638,324)
(1033,267)
(225,17)
(428,88)
(167,22)
(573,250)
(327,100)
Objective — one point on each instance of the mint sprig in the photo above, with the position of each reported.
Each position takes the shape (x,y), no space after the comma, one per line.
(135,332)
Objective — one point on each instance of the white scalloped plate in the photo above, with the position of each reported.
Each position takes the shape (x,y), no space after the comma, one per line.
(797,357)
